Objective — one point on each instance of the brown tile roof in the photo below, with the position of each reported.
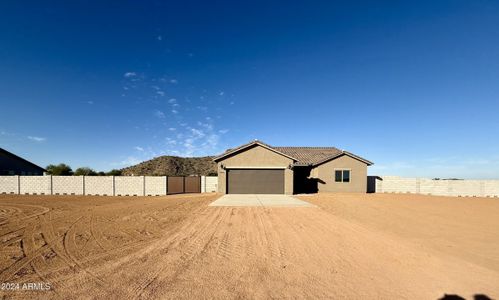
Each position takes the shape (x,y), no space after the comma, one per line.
(302,156)
(309,155)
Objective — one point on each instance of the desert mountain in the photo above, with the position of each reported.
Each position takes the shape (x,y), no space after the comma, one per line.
(173,166)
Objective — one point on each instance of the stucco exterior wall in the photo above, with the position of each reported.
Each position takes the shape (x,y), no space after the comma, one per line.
(358,175)
(257,157)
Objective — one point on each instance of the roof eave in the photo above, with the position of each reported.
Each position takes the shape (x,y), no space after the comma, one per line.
(367,162)
(233,151)
(22,159)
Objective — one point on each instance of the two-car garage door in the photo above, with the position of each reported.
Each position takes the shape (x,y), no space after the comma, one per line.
(255,181)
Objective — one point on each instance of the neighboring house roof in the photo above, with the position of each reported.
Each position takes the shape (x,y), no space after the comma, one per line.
(303,156)
(3,151)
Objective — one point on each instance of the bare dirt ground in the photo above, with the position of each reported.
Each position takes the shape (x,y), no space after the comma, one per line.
(350,246)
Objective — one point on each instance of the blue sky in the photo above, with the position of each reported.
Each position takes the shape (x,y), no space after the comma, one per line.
(412,86)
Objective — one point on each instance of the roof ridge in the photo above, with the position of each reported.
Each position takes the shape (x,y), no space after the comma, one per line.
(307,147)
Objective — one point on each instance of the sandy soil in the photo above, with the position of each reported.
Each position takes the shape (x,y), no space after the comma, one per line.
(350,246)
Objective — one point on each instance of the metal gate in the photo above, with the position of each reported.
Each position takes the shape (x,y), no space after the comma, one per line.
(183,184)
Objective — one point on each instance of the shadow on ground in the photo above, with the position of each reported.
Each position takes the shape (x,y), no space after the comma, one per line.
(457,297)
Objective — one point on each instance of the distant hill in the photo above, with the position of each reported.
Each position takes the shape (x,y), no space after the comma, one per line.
(173,166)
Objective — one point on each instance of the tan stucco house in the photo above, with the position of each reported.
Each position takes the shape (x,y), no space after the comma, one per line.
(258,168)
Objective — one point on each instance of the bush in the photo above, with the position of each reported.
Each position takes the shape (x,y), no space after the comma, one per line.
(85,171)
(114,172)
(60,169)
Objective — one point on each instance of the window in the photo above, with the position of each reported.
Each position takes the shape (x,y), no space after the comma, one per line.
(337,176)
(346,175)
(342,175)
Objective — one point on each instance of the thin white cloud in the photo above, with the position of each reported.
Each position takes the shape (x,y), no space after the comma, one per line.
(221,93)
(174,81)
(138,148)
(159,114)
(37,139)
(174,111)
(197,133)
(172,128)
(159,38)
(161,93)
(90,102)
(223,131)
(172,100)
(129,74)
(131,160)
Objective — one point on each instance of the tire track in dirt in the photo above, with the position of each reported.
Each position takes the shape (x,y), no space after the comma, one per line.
(146,259)
(203,240)
(38,264)
(11,240)
(29,256)
(317,252)
(68,257)
(70,249)
(15,223)
(223,250)
(186,238)
(96,234)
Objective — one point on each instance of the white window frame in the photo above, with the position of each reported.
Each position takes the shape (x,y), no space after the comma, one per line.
(342,169)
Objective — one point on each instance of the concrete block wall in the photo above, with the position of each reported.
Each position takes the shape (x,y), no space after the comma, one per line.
(9,184)
(35,185)
(491,187)
(426,186)
(210,184)
(129,186)
(155,186)
(99,185)
(394,184)
(203,184)
(67,185)
(94,185)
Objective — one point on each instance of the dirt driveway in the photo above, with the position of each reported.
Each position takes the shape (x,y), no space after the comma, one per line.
(350,246)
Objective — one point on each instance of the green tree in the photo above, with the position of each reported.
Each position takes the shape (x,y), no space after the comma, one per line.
(85,171)
(60,169)
(114,172)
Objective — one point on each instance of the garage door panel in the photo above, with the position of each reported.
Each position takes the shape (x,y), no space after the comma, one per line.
(255,181)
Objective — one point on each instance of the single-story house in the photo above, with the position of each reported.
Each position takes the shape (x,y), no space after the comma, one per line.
(258,168)
(11,164)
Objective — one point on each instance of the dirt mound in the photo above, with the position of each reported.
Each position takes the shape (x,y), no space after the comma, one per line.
(173,166)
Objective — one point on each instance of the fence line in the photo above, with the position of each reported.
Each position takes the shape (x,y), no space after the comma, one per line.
(94,185)
(426,186)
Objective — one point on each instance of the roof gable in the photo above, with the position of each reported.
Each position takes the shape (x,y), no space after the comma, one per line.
(248,145)
(21,159)
(349,154)
(302,156)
